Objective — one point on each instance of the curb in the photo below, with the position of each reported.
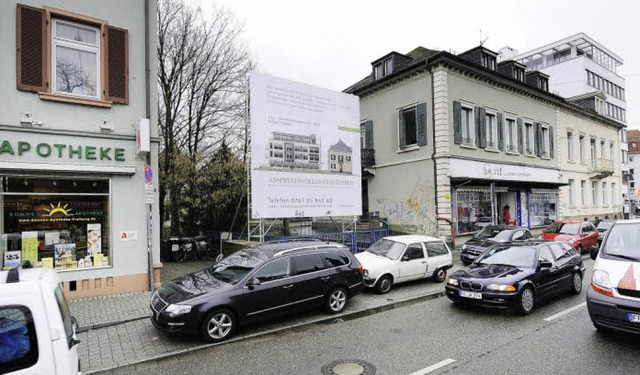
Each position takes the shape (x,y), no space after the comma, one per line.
(108,324)
(326,319)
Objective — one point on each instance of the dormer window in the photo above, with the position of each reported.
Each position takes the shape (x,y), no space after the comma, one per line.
(489,61)
(543,84)
(383,69)
(518,74)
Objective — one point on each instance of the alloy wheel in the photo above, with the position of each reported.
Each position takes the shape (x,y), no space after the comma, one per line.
(219,326)
(577,283)
(527,300)
(337,300)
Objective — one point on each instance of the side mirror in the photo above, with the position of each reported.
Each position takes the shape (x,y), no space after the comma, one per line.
(545,264)
(594,252)
(253,283)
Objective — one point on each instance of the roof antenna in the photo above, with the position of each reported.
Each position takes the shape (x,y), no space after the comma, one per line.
(482,41)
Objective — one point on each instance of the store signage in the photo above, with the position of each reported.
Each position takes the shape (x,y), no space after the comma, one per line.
(129,235)
(61,151)
(502,172)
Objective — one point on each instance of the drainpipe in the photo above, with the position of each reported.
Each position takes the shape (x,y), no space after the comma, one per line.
(147,86)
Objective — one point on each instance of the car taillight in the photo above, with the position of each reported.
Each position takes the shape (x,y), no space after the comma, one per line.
(360,269)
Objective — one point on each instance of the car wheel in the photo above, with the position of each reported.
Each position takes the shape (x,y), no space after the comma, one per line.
(336,300)
(526,300)
(384,284)
(439,275)
(576,283)
(579,249)
(219,325)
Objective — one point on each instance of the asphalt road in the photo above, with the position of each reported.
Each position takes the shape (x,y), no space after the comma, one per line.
(423,336)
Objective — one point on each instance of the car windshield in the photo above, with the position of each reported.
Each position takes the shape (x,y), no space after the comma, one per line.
(604,225)
(503,236)
(387,248)
(236,266)
(623,241)
(487,232)
(517,256)
(564,228)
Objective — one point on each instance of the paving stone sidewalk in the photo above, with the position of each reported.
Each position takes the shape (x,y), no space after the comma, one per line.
(110,348)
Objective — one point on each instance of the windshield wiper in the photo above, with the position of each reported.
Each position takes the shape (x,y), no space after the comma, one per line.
(625,257)
(497,264)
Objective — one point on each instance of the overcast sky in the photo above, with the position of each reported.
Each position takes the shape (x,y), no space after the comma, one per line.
(331,43)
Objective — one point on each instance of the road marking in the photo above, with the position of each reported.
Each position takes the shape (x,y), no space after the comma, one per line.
(433,367)
(565,312)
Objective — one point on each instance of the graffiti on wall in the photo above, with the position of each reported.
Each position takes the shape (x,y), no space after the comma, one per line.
(413,213)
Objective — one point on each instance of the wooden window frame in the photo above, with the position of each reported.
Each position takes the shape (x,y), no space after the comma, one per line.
(55,13)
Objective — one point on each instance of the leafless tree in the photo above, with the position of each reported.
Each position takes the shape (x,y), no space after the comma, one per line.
(202,74)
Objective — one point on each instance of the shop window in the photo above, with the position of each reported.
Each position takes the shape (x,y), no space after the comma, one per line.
(57,223)
(542,206)
(18,340)
(473,211)
(69,57)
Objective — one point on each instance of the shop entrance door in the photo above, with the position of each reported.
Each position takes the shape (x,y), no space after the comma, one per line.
(507,208)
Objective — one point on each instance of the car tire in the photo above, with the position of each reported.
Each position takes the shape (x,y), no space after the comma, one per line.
(219,325)
(384,284)
(579,248)
(439,275)
(336,300)
(526,301)
(576,283)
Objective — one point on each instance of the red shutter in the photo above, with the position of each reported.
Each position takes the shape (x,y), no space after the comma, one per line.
(30,47)
(117,65)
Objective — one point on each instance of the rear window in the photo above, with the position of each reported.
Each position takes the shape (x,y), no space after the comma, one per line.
(435,249)
(564,228)
(335,259)
(18,341)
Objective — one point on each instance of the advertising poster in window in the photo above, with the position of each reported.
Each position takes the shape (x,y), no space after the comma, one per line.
(65,255)
(94,239)
(305,150)
(30,246)
(12,259)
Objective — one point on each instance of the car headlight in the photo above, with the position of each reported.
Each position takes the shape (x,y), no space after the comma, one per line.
(572,241)
(464,247)
(366,273)
(501,287)
(600,282)
(451,281)
(175,310)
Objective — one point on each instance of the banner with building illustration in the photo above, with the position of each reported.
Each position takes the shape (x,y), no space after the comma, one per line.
(305,150)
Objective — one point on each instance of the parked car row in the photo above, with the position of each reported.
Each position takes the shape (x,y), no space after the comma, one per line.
(506,268)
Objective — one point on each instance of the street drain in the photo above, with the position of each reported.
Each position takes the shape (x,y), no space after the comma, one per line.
(348,367)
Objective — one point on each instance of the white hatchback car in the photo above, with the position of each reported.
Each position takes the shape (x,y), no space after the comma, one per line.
(397,259)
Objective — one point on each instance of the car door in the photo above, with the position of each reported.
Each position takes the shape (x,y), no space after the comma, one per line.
(544,278)
(311,280)
(592,237)
(274,293)
(562,268)
(413,263)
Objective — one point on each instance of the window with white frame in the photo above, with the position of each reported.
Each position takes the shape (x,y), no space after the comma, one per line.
(491,129)
(570,145)
(466,124)
(604,193)
(571,190)
(75,57)
(594,193)
(581,147)
(614,199)
(583,192)
(611,151)
(410,136)
(528,138)
(511,135)
(603,150)
(544,147)
(592,148)
(624,157)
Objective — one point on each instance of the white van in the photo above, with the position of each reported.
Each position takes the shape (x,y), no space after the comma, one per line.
(613,300)
(37,331)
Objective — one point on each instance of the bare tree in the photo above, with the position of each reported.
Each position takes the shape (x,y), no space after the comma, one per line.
(202,82)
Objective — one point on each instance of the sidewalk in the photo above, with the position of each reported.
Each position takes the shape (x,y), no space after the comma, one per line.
(116,331)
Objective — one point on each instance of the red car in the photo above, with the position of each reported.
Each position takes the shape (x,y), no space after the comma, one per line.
(582,235)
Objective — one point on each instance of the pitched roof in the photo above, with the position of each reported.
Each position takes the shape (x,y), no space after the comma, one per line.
(340,147)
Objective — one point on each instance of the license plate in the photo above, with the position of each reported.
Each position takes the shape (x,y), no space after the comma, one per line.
(633,318)
(473,295)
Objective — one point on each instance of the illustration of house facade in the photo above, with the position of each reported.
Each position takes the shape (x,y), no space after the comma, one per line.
(294,151)
(340,158)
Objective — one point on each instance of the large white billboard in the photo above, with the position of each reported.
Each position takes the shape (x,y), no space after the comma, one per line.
(305,150)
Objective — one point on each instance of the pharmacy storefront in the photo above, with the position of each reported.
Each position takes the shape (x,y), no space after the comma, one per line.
(493,193)
(75,204)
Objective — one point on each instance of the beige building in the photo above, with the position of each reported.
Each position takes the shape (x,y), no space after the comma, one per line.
(340,158)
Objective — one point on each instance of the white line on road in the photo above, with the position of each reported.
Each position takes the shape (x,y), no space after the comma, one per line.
(561,313)
(433,367)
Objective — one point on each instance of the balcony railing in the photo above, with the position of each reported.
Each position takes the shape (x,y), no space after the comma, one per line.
(601,166)
(368,156)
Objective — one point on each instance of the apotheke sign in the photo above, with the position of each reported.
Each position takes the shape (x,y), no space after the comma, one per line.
(61,151)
